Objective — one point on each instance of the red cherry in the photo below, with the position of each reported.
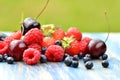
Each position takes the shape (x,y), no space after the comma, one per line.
(96,48)
(16,49)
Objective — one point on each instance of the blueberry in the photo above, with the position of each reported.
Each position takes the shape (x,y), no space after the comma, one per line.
(43,59)
(1,58)
(44,49)
(85,59)
(5,56)
(76,58)
(80,55)
(104,57)
(68,61)
(105,63)
(89,65)
(58,42)
(65,55)
(28,24)
(75,64)
(88,55)
(10,60)
(2,36)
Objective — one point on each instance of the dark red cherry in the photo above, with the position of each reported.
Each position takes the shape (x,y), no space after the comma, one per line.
(96,48)
(28,24)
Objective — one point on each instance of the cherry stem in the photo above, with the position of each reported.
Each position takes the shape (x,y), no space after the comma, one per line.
(106,17)
(42,10)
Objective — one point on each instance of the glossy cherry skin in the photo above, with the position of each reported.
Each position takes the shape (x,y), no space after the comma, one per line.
(96,48)
(28,24)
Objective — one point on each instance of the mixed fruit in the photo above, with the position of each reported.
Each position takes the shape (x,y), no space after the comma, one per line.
(42,43)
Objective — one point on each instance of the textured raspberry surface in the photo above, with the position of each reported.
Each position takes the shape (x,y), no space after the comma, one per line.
(16,35)
(75,33)
(33,36)
(47,41)
(55,53)
(74,48)
(8,40)
(31,56)
(83,44)
(58,34)
(3,47)
(35,46)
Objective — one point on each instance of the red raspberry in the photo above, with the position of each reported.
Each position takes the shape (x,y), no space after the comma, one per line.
(83,44)
(31,56)
(8,40)
(54,53)
(74,48)
(47,41)
(16,35)
(75,33)
(33,36)
(3,47)
(58,34)
(35,46)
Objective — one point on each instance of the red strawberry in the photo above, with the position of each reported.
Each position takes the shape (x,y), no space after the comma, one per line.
(83,44)
(58,34)
(75,33)
(55,53)
(74,48)
(47,41)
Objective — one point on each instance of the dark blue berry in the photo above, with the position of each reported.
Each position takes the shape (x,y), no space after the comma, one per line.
(2,36)
(65,55)
(89,65)
(104,57)
(5,56)
(75,64)
(58,42)
(43,59)
(1,58)
(85,59)
(88,55)
(28,24)
(105,63)
(10,60)
(68,61)
(75,57)
(44,49)
(80,55)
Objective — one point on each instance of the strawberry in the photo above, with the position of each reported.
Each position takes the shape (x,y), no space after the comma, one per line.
(75,33)
(47,41)
(74,48)
(58,34)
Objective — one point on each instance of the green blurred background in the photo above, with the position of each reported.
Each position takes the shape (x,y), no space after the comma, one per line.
(87,15)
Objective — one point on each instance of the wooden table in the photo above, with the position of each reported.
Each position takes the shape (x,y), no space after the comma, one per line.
(58,71)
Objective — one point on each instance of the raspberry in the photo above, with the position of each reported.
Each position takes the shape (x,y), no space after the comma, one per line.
(31,56)
(8,40)
(16,35)
(47,41)
(58,34)
(3,47)
(33,36)
(83,44)
(54,53)
(75,33)
(35,46)
(74,48)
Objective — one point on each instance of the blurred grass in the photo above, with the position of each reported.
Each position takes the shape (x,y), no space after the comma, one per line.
(87,15)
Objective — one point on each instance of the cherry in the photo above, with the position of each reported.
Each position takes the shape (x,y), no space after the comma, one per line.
(28,24)
(16,49)
(96,48)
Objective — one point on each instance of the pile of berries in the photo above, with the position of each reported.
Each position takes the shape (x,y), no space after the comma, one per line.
(36,43)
